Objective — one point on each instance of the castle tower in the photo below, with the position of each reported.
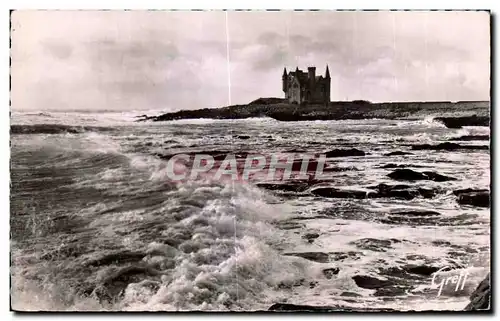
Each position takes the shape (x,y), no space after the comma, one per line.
(328,85)
(284,79)
(312,76)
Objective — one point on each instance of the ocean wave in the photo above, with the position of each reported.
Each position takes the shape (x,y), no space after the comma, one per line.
(55,129)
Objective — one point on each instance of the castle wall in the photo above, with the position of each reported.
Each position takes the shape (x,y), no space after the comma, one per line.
(309,90)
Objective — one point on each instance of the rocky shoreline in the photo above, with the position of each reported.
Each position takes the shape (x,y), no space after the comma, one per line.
(475,113)
(479,300)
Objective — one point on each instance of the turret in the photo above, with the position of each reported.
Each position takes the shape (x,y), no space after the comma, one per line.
(285,80)
(328,85)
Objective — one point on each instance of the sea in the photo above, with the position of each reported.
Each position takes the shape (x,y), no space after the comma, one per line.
(97,225)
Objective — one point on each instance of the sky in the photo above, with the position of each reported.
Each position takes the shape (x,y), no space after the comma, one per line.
(172,60)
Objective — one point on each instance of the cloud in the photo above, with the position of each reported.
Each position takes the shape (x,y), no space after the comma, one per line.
(173,60)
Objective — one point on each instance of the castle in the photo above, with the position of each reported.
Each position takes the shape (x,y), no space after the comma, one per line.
(301,87)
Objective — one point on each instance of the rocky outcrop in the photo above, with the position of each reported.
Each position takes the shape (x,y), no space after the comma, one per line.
(399,191)
(458,122)
(330,272)
(310,237)
(470,137)
(287,307)
(281,110)
(344,152)
(339,193)
(474,197)
(368,282)
(479,199)
(480,298)
(410,175)
(319,257)
(449,147)
(398,153)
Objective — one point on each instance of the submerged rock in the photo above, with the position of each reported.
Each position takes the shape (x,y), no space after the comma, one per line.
(399,191)
(310,237)
(458,122)
(296,187)
(287,307)
(480,298)
(391,165)
(411,175)
(449,147)
(372,244)
(344,152)
(398,153)
(368,282)
(391,291)
(319,257)
(479,199)
(469,190)
(330,272)
(470,137)
(339,193)
(413,217)
(421,269)
(402,191)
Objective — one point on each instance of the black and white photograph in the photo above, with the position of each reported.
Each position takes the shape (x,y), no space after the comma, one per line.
(250,160)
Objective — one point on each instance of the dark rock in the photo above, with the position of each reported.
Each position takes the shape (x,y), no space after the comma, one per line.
(411,175)
(401,191)
(390,291)
(310,237)
(368,282)
(391,165)
(427,193)
(344,152)
(340,256)
(480,199)
(243,136)
(350,294)
(384,187)
(330,272)
(296,307)
(469,190)
(291,284)
(372,244)
(117,258)
(470,137)
(338,169)
(416,213)
(289,225)
(412,218)
(480,298)
(449,147)
(338,193)
(267,101)
(296,187)
(438,177)
(407,174)
(287,307)
(319,257)
(440,243)
(421,269)
(398,153)
(458,122)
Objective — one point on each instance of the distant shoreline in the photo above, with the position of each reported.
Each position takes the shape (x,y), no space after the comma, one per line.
(279,109)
